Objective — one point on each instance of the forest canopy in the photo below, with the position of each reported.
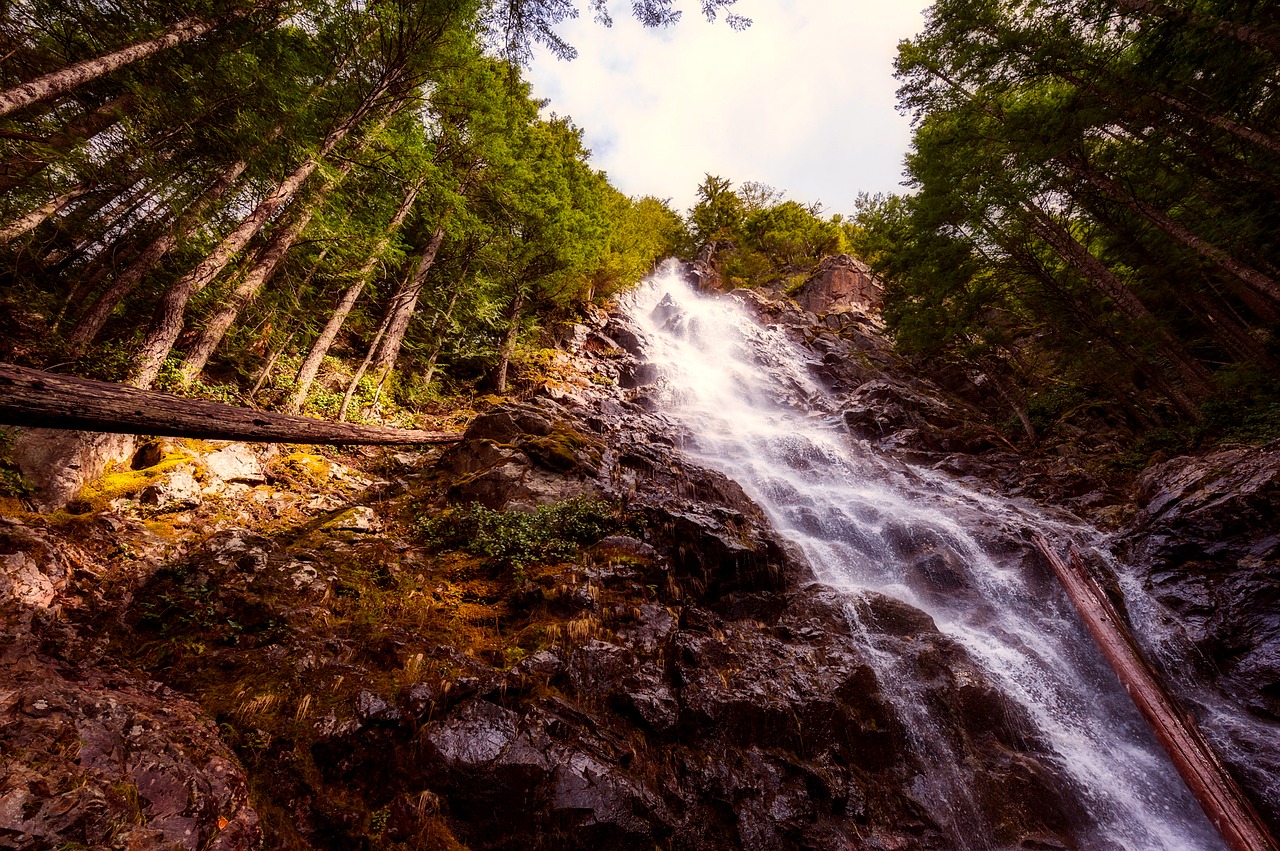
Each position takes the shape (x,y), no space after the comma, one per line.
(1093,210)
(210,195)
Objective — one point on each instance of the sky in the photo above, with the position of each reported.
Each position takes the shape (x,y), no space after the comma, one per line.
(803,100)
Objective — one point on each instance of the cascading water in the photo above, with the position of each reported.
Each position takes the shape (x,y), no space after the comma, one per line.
(870,525)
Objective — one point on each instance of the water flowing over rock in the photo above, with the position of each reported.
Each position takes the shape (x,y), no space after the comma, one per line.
(1205,547)
(817,622)
(871,526)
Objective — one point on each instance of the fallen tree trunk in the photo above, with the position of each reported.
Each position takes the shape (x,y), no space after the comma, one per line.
(1218,793)
(36,399)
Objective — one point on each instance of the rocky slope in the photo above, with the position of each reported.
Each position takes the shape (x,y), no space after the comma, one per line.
(291,652)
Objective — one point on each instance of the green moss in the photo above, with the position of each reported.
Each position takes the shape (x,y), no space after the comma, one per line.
(100,492)
(794,283)
(313,469)
(564,450)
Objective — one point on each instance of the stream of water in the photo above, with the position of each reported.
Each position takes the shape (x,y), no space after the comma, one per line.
(869,524)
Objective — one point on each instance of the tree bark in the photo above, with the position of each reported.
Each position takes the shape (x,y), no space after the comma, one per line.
(17,171)
(508,347)
(92,320)
(315,356)
(35,399)
(403,304)
(38,216)
(66,79)
(167,324)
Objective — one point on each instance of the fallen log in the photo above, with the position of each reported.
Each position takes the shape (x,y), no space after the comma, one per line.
(1217,791)
(35,399)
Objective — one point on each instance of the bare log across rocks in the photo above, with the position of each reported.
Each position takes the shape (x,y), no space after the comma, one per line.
(1222,799)
(35,399)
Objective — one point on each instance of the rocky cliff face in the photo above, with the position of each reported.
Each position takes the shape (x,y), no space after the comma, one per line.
(1205,544)
(291,656)
(841,281)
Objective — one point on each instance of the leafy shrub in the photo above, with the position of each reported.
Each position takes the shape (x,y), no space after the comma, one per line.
(516,539)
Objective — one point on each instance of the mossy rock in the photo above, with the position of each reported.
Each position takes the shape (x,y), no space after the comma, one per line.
(313,469)
(98,494)
(564,451)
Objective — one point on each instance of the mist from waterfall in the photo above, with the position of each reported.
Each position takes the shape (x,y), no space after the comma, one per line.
(871,525)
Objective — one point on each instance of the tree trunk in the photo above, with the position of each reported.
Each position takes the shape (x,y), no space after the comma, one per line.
(34,399)
(167,324)
(438,329)
(136,193)
(362,369)
(92,320)
(508,347)
(311,364)
(1019,410)
(265,374)
(18,170)
(402,306)
(127,248)
(38,216)
(1088,318)
(1252,277)
(71,77)
(1243,33)
(1105,282)
(1234,337)
(268,260)
(1217,792)
(1220,121)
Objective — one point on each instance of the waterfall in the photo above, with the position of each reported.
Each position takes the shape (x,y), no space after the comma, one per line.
(870,525)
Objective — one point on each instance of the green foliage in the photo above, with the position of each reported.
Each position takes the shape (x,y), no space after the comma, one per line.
(1087,206)
(517,539)
(761,238)
(12,482)
(791,235)
(186,605)
(719,212)
(1246,407)
(531,230)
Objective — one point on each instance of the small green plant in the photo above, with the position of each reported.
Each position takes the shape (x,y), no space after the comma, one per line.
(516,539)
(12,482)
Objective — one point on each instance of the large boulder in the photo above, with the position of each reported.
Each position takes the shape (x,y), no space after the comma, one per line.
(841,281)
(58,464)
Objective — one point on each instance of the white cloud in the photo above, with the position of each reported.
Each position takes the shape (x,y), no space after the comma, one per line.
(803,100)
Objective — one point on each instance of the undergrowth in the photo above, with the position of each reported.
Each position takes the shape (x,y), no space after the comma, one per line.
(517,539)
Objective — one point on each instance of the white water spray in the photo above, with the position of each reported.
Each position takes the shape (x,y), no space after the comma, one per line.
(869,524)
